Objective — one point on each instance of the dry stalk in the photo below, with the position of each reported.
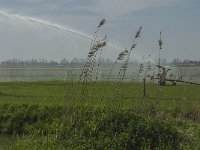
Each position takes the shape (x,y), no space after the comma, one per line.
(124,66)
(87,71)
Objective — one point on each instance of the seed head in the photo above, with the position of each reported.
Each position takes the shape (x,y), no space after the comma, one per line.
(103,21)
(160,42)
(138,32)
(122,54)
(133,46)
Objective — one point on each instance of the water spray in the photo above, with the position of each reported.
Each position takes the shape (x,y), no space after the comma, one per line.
(55,26)
(47,23)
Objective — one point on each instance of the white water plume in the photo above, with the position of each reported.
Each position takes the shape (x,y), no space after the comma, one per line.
(46,23)
(52,25)
(58,27)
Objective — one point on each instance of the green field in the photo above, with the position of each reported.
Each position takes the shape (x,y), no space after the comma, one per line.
(59,115)
(59,92)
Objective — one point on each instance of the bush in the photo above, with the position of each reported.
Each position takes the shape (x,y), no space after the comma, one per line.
(87,127)
(118,129)
(22,119)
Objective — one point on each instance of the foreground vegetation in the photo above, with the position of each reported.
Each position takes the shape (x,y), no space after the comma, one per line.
(43,115)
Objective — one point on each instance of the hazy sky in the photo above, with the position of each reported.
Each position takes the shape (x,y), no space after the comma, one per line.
(177,19)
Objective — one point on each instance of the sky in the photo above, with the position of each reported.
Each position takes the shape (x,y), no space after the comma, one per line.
(21,39)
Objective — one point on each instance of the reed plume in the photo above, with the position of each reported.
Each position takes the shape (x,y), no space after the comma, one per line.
(88,68)
(123,68)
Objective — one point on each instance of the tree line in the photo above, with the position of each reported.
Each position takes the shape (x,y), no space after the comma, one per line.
(185,62)
(75,63)
(78,62)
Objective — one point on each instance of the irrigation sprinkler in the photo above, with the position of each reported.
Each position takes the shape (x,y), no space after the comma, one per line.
(163,77)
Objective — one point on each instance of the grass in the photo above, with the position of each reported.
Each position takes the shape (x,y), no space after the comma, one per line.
(55,92)
(32,92)
(44,113)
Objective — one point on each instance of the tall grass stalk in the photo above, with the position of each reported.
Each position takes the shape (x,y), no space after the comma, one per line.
(120,58)
(96,71)
(124,66)
(87,71)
